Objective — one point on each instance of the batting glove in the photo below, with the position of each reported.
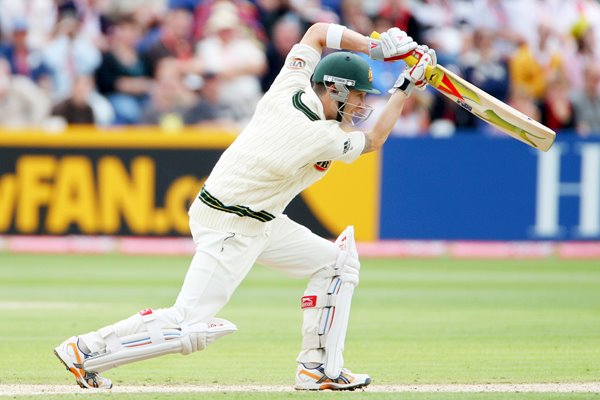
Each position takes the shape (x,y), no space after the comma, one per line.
(414,77)
(392,45)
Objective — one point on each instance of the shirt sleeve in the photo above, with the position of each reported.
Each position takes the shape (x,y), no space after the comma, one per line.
(298,68)
(343,146)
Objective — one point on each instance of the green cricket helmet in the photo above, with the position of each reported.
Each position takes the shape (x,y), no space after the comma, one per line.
(346,71)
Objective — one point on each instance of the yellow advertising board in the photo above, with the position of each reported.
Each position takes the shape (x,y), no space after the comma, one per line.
(140,181)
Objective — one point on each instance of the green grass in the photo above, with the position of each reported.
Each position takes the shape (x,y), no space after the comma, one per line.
(413,321)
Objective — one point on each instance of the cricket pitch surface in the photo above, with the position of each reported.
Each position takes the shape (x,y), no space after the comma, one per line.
(31,390)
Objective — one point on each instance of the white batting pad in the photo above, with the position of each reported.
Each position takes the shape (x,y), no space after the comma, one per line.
(142,346)
(348,268)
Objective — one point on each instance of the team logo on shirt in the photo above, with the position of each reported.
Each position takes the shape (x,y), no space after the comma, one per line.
(296,63)
(322,166)
(347,146)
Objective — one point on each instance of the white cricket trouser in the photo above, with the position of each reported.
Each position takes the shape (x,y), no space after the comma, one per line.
(222,260)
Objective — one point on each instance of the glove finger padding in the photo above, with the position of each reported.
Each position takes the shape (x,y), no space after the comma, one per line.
(417,73)
(393,45)
(423,49)
(415,76)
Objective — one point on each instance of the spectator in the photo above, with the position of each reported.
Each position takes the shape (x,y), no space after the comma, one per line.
(22,103)
(39,15)
(556,109)
(120,7)
(560,14)
(531,66)
(484,67)
(175,39)
(511,22)
(526,72)
(246,10)
(355,18)
(522,100)
(587,102)
(440,24)
(123,76)
(270,13)
(237,60)
(399,13)
(22,59)
(149,21)
(311,11)
(209,109)
(170,97)
(585,52)
(415,119)
(548,52)
(76,109)
(69,54)
(287,31)
(94,21)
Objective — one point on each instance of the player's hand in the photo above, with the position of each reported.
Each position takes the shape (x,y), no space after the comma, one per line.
(414,77)
(427,57)
(392,45)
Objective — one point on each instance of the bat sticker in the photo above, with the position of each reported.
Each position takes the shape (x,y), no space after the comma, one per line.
(464,105)
(495,119)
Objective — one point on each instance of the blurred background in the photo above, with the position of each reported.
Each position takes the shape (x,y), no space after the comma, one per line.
(112,113)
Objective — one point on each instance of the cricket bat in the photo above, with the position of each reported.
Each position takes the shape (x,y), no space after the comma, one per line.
(485,106)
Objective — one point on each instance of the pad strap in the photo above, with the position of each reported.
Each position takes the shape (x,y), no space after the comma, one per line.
(113,344)
(152,325)
(313,341)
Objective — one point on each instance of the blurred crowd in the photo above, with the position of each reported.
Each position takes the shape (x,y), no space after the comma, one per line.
(175,63)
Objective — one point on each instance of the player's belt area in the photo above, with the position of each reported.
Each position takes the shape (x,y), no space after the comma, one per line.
(241,211)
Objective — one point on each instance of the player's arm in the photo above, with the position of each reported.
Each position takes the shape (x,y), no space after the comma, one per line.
(392,45)
(410,78)
(316,37)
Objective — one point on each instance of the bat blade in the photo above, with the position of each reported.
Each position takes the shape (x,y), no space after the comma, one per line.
(493,111)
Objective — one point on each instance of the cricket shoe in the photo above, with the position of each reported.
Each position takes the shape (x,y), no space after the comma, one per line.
(315,379)
(72,357)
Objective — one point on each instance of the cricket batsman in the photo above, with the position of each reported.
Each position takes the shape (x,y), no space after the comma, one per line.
(304,122)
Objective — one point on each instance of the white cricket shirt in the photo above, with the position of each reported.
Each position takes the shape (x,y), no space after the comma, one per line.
(287,146)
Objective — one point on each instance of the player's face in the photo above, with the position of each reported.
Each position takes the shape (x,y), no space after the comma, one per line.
(356,109)
(356,99)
